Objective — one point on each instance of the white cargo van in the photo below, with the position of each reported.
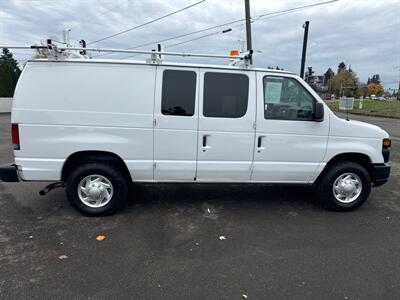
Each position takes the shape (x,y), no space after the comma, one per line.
(97,125)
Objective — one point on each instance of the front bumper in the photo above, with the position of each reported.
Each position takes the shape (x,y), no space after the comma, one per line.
(381,174)
(9,173)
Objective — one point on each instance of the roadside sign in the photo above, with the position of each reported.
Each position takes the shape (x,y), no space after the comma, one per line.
(346,103)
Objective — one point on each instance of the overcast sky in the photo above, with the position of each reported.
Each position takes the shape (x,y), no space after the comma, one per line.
(363,34)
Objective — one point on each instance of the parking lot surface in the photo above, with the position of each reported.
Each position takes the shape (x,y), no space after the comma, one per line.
(208,241)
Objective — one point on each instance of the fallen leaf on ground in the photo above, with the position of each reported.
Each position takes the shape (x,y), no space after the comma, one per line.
(100,238)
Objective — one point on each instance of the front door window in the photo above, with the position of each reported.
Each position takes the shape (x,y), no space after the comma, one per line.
(286,99)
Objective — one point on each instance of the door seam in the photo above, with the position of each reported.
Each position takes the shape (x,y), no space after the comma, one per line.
(254,128)
(198,122)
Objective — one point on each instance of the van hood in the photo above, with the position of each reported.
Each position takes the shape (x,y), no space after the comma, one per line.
(357,129)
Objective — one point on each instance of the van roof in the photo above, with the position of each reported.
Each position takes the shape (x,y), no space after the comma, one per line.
(164,63)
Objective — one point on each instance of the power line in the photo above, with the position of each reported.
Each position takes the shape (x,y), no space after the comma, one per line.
(98,15)
(171,38)
(254,19)
(184,42)
(188,41)
(236,21)
(199,37)
(194,39)
(186,34)
(180,36)
(147,23)
(300,7)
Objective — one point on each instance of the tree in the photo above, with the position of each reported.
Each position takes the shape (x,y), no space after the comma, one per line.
(362,90)
(344,82)
(342,67)
(9,73)
(350,69)
(375,79)
(328,76)
(375,89)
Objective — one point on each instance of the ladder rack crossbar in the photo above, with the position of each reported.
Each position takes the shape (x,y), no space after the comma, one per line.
(114,50)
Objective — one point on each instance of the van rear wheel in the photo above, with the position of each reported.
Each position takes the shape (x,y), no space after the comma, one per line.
(344,186)
(97,189)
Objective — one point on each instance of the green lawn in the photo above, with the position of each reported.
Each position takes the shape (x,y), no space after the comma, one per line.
(388,109)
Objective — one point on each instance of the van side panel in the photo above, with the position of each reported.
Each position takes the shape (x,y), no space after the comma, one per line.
(64,107)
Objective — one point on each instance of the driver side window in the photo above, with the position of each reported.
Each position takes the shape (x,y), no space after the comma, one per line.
(286,99)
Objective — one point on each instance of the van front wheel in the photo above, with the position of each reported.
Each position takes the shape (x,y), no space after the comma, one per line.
(344,186)
(97,189)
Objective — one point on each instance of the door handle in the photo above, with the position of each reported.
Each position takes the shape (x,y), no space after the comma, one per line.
(259,141)
(205,147)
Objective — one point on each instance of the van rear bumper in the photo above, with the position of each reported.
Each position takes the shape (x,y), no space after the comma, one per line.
(381,174)
(9,173)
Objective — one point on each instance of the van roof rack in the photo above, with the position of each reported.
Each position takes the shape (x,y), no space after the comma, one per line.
(62,52)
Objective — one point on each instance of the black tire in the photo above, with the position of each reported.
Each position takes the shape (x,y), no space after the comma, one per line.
(112,173)
(324,185)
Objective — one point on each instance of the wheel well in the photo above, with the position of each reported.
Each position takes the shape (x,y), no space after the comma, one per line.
(92,156)
(360,158)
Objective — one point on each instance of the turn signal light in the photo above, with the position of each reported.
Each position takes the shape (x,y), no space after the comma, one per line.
(387,143)
(234,52)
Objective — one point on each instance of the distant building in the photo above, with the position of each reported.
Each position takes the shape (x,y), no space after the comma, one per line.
(317,83)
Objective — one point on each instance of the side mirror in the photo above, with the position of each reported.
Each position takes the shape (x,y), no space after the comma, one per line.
(319,112)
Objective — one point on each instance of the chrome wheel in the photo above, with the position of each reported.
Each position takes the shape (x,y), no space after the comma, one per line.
(347,187)
(95,191)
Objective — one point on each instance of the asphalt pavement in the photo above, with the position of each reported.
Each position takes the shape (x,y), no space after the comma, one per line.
(208,241)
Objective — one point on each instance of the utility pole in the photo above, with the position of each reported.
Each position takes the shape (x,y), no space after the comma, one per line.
(303,55)
(248,27)
(398,92)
